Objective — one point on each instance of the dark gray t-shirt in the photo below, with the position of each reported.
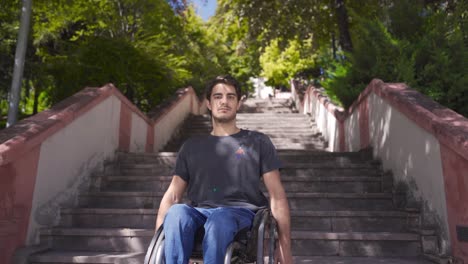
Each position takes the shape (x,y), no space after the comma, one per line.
(227,171)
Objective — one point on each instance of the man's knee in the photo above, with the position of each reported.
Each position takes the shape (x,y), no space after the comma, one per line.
(178,214)
(221,221)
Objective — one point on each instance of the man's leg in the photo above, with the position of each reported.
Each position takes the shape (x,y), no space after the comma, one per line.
(180,225)
(220,228)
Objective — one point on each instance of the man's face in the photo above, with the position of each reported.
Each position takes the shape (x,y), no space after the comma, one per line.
(223,103)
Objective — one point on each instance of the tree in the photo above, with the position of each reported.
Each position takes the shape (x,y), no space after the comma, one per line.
(147,48)
(20,53)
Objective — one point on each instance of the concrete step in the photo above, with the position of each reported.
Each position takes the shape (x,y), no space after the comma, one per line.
(287,164)
(267,109)
(98,239)
(134,183)
(286,173)
(288,145)
(302,171)
(94,257)
(137,258)
(242,116)
(291,184)
(323,171)
(340,201)
(354,221)
(279,141)
(310,156)
(268,131)
(304,243)
(359,260)
(108,218)
(257,124)
(330,221)
(372,244)
(306,134)
(241,119)
(316,147)
(284,155)
(156,170)
(297,201)
(273,135)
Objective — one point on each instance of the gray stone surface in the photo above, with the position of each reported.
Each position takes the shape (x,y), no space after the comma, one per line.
(358,260)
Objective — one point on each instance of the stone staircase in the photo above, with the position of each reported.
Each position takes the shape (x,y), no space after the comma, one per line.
(343,209)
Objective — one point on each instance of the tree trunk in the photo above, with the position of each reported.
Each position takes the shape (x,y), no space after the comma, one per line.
(20,53)
(36,98)
(333,43)
(343,26)
(129,92)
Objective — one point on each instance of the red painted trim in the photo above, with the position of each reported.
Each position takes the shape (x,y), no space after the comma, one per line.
(329,106)
(17,181)
(29,132)
(169,109)
(191,106)
(364,123)
(341,136)
(32,131)
(130,105)
(455,168)
(449,127)
(150,139)
(125,128)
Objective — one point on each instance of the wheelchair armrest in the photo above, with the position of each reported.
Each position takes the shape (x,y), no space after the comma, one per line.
(152,246)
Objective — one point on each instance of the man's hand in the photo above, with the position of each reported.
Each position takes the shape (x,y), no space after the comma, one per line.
(173,195)
(280,210)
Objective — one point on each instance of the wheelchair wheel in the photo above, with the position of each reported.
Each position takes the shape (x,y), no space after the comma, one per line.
(234,253)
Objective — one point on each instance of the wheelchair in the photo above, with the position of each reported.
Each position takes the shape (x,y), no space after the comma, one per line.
(247,247)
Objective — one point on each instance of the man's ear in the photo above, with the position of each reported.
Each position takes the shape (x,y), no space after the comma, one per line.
(208,105)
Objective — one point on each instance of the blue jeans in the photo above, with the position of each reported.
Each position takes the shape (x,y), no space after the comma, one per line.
(221,225)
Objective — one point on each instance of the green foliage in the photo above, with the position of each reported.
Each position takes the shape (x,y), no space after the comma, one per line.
(147,48)
(421,43)
(375,55)
(440,62)
(9,25)
(279,66)
(428,53)
(239,56)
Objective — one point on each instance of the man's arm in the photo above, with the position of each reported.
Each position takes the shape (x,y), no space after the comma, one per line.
(172,196)
(280,209)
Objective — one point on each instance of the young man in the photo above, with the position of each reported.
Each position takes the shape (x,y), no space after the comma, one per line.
(222,173)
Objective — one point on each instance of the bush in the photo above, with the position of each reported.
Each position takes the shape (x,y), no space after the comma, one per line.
(433,61)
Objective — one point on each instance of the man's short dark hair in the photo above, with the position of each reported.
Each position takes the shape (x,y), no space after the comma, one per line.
(225,79)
